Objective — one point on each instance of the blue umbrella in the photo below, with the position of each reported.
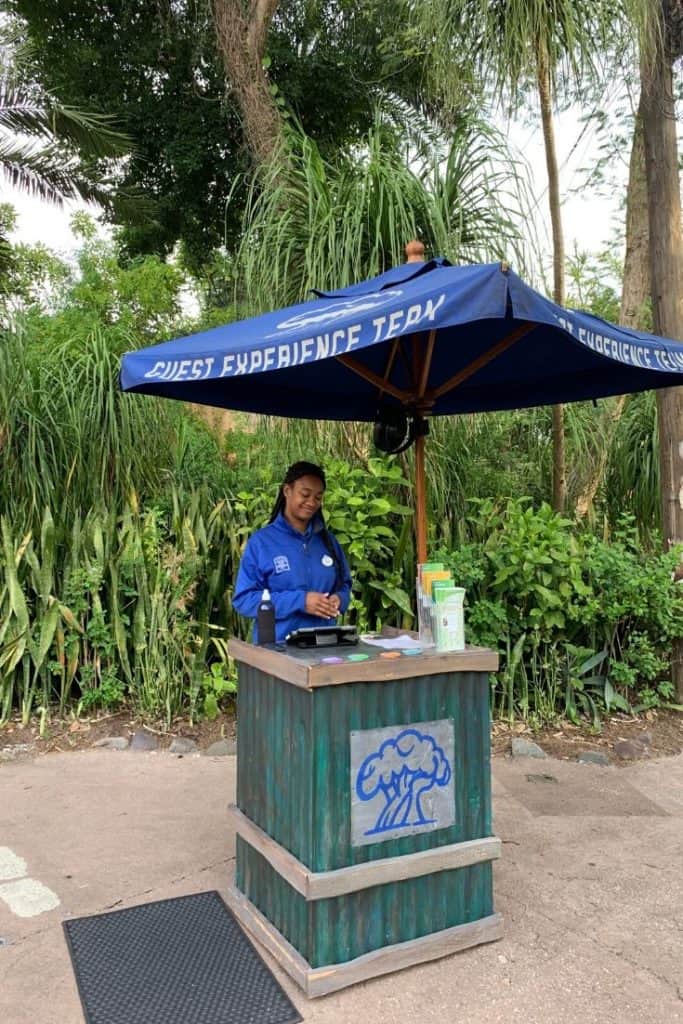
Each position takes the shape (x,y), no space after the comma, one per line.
(423,339)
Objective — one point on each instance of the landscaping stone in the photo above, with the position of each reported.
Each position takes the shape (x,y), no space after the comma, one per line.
(112,743)
(222,748)
(593,757)
(181,745)
(17,751)
(629,750)
(526,748)
(143,741)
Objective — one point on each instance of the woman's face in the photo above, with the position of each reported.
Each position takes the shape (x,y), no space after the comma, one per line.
(303,498)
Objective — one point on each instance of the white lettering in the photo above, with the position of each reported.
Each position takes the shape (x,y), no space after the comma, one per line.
(156,370)
(337,338)
(432,308)
(284,356)
(378,323)
(395,320)
(413,316)
(352,336)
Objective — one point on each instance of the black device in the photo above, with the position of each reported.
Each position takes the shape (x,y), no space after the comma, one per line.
(323,636)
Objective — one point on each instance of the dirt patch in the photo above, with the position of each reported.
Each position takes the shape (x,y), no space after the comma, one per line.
(654,734)
(18,740)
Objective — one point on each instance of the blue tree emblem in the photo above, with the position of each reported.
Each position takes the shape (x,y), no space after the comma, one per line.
(403,769)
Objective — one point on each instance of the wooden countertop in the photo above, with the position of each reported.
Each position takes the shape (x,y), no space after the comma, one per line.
(304,668)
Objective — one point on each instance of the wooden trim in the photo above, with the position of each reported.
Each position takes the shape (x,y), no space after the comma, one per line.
(309,674)
(319,981)
(374,378)
(323,885)
(273,663)
(472,659)
(483,360)
(285,863)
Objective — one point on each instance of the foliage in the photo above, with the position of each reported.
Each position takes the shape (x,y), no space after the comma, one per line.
(316,222)
(559,604)
(160,76)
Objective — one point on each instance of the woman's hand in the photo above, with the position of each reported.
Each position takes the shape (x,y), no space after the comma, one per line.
(325,606)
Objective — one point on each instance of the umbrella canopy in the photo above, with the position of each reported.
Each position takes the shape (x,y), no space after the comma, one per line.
(427,337)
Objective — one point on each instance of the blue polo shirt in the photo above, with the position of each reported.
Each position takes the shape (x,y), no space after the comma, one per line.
(289,564)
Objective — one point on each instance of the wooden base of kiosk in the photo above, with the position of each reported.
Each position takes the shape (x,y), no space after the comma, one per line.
(363,812)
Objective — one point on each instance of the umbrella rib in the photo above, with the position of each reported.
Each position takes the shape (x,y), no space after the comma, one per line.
(390,364)
(483,359)
(426,366)
(374,378)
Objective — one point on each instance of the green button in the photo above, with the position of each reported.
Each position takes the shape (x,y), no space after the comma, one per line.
(357,657)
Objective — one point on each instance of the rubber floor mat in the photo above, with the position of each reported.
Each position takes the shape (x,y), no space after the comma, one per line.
(177,961)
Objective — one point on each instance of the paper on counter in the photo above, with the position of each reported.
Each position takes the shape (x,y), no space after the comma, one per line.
(392,643)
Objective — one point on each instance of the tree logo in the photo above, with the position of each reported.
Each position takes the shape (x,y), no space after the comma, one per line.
(405,781)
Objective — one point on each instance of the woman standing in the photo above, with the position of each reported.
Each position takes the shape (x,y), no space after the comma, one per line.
(296,559)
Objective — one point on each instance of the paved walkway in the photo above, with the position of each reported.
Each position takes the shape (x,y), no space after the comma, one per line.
(590,887)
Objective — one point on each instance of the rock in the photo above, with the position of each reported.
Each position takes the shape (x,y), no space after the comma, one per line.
(112,743)
(645,738)
(181,745)
(526,748)
(143,741)
(17,751)
(630,749)
(222,748)
(593,757)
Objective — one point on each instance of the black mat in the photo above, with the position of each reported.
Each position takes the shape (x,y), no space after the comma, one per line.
(178,961)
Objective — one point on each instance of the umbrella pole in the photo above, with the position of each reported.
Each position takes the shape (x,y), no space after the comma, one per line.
(420,500)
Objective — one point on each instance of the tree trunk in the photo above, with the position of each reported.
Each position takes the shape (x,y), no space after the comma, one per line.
(636,286)
(241,34)
(545,97)
(635,290)
(666,268)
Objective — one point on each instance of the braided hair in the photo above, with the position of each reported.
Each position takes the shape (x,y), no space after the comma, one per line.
(294,473)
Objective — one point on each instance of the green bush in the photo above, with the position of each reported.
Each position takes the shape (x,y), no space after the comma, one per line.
(582,625)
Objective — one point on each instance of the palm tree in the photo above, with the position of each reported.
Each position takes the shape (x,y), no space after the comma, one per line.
(316,222)
(39,137)
(515,43)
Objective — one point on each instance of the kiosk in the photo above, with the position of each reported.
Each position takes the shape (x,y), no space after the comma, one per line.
(363,811)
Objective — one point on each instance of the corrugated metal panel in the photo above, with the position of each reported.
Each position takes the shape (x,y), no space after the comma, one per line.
(340,929)
(294,782)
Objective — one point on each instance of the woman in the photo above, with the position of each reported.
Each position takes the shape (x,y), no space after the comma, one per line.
(296,559)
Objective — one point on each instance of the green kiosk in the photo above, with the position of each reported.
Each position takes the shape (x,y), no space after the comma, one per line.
(363,811)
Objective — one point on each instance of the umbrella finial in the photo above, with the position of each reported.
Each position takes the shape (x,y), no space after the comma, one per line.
(415,252)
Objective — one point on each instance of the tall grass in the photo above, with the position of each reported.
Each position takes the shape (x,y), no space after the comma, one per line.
(316,223)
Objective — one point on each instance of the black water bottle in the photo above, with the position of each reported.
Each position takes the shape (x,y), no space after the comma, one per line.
(265,619)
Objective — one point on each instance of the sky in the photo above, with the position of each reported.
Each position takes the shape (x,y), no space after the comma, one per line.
(589,219)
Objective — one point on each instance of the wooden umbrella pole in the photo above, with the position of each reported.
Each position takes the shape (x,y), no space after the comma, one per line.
(420,500)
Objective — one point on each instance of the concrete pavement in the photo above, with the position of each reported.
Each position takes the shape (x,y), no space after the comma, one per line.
(590,887)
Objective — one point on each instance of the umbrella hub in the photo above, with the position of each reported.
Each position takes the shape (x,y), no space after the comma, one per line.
(395,429)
